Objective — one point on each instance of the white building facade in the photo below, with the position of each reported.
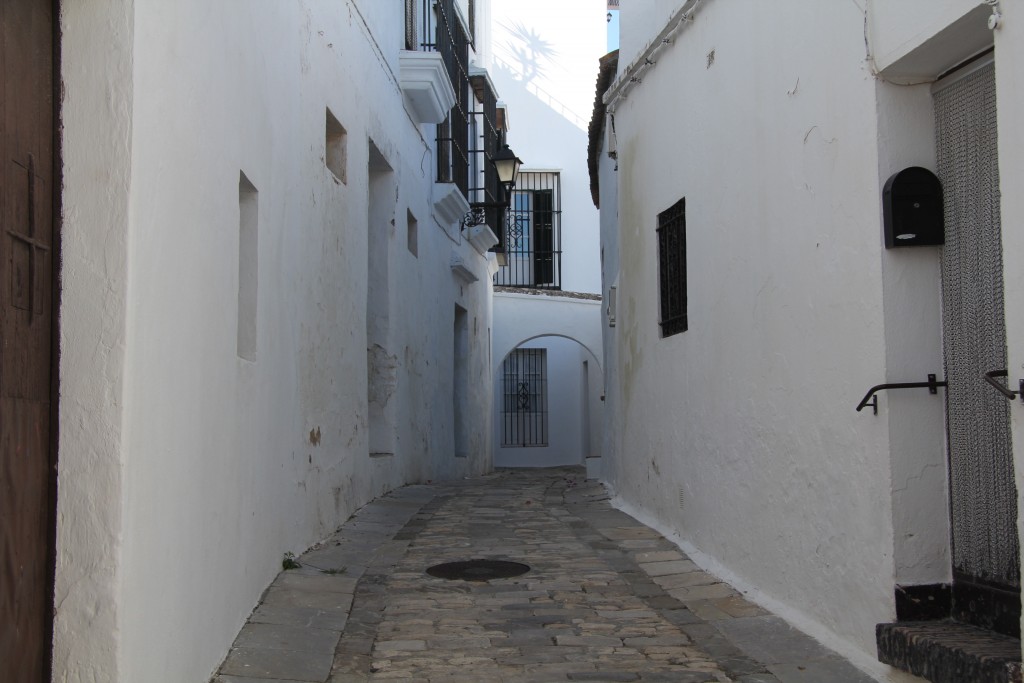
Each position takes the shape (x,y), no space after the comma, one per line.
(756,302)
(263,286)
(548,380)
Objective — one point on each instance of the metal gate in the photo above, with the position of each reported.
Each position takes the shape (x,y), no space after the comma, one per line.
(983,507)
(525,398)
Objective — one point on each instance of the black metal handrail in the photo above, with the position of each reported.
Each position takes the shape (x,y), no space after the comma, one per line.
(1008,393)
(871,399)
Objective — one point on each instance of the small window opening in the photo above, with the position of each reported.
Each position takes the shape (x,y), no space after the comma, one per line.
(672,268)
(412,233)
(248,266)
(336,153)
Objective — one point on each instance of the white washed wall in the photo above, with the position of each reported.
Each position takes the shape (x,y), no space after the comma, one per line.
(781,144)
(545,62)
(749,415)
(224,464)
(640,22)
(570,329)
(896,29)
(566,422)
(1009,42)
(96,70)
(612,427)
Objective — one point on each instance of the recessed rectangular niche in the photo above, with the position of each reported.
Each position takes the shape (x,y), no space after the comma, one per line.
(412,236)
(336,153)
(248,266)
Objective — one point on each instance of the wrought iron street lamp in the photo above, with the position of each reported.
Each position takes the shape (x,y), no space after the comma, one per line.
(506,166)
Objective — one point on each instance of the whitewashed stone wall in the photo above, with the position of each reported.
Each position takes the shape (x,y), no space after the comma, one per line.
(569,328)
(544,63)
(187,468)
(779,128)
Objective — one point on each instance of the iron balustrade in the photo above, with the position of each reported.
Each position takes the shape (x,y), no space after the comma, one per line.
(441,31)
(486,139)
(470,136)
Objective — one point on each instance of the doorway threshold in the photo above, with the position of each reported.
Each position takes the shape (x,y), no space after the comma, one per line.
(946,651)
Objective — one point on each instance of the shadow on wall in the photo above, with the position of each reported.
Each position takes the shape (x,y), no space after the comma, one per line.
(523,60)
(534,106)
(526,50)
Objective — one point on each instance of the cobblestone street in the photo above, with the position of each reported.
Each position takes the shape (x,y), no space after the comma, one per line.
(606,599)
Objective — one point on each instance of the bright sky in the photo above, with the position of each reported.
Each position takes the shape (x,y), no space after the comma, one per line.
(613,30)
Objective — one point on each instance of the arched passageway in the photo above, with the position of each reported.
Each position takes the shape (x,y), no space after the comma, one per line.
(548,380)
(548,393)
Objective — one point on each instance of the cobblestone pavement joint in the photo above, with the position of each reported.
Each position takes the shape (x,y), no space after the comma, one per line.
(607,599)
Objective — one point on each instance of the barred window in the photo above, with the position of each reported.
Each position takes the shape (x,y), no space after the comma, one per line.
(453,134)
(534,244)
(525,398)
(672,268)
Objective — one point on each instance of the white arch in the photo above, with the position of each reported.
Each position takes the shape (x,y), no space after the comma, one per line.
(590,351)
(518,318)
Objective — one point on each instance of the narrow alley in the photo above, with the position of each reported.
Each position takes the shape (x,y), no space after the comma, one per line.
(511,340)
(606,599)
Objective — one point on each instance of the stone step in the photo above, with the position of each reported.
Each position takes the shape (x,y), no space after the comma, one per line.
(949,652)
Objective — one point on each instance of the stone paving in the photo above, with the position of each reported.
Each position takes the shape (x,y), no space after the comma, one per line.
(607,599)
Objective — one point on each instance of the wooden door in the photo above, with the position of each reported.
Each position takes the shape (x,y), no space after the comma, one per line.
(26,288)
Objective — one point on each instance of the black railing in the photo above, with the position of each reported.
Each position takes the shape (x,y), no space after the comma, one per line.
(871,399)
(534,240)
(485,140)
(442,32)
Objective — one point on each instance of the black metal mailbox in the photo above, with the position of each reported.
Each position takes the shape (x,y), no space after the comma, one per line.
(912,209)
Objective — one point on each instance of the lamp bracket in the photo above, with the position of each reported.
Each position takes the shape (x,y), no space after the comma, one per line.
(477,215)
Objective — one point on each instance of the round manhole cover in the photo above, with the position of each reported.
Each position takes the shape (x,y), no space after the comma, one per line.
(478,570)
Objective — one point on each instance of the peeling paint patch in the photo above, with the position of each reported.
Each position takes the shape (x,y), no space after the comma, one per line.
(383,375)
(314,436)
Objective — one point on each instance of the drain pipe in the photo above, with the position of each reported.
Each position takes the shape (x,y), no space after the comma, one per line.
(632,74)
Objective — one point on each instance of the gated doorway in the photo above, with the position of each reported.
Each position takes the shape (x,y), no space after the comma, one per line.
(27,293)
(547,394)
(983,497)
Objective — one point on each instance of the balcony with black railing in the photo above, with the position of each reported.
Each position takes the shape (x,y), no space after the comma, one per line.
(434,26)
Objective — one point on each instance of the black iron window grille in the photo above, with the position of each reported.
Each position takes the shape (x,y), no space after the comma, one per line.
(421,22)
(534,249)
(525,398)
(672,268)
(442,31)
